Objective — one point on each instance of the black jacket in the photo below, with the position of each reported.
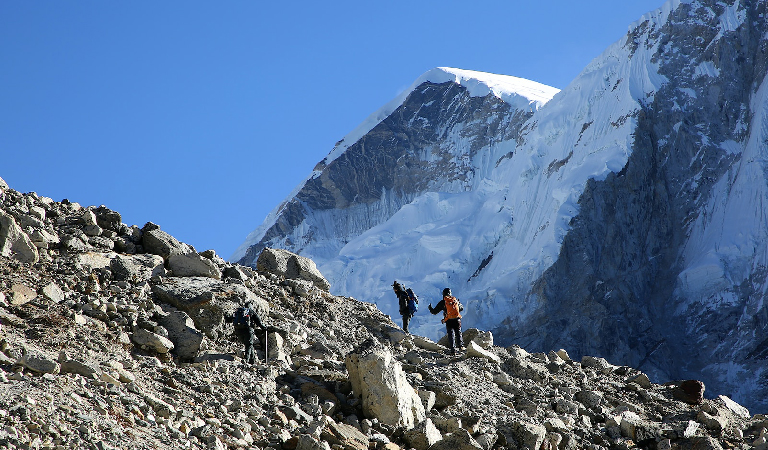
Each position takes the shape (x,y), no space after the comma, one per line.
(402,297)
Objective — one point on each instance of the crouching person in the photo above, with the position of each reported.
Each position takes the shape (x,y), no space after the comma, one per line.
(245,319)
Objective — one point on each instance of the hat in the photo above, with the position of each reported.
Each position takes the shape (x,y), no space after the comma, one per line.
(446,292)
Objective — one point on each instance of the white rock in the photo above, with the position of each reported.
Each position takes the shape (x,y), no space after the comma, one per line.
(53,292)
(379,381)
(151,340)
(735,407)
(193,265)
(474,350)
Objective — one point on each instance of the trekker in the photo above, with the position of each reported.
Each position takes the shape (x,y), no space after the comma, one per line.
(402,298)
(244,320)
(451,318)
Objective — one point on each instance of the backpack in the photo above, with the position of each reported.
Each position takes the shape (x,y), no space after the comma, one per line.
(413,301)
(452,308)
(242,316)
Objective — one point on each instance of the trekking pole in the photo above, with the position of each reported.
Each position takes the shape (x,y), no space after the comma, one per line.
(266,344)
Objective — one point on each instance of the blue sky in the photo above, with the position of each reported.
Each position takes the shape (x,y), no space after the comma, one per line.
(203,116)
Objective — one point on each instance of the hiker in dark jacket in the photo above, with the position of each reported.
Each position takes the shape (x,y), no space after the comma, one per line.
(245,319)
(451,309)
(402,298)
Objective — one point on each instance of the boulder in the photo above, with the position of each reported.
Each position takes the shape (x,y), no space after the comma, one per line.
(522,365)
(475,351)
(151,341)
(378,379)
(598,364)
(528,434)
(182,332)
(482,338)
(53,292)
(734,407)
(308,442)
(14,242)
(291,266)
(641,379)
(638,429)
(136,268)
(689,391)
(427,344)
(87,370)
(44,239)
(590,399)
(423,435)
(21,294)
(428,398)
(94,260)
(276,348)
(37,362)
(108,219)
(458,440)
(193,265)
(345,435)
(158,242)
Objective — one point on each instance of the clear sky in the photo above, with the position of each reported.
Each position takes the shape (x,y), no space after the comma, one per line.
(203,116)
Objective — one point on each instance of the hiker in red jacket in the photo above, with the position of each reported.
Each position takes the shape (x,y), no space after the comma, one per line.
(451,318)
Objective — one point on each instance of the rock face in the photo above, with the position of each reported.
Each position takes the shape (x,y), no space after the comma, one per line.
(624,218)
(378,379)
(146,360)
(291,266)
(13,240)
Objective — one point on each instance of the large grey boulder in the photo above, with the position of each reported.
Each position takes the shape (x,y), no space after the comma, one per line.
(44,238)
(14,242)
(38,362)
(193,265)
(158,242)
(528,434)
(182,332)
(72,365)
(482,338)
(136,268)
(379,381)
(207,301)
(291,266)
(423,435)
(108,219)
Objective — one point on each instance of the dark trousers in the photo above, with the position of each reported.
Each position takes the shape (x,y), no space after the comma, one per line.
(453,327)
(406,321)
(245,334)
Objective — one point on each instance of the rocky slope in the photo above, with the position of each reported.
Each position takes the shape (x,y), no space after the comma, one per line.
(115,337)
(623,218)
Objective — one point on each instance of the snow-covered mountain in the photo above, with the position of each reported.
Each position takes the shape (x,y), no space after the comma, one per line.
(623,216)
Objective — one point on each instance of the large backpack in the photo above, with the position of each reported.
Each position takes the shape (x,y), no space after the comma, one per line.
(242,316)
(413,301)
(452,308)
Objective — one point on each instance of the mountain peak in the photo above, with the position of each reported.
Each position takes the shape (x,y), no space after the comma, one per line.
(520,93)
